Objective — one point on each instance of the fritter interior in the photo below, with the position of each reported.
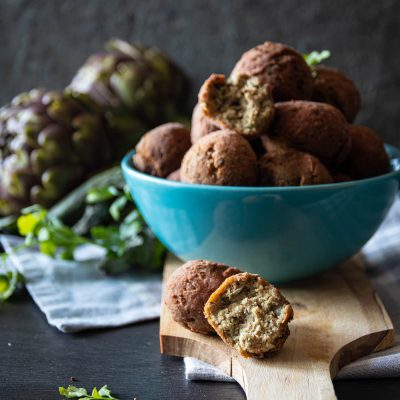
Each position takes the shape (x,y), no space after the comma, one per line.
(244,105)
(252,317)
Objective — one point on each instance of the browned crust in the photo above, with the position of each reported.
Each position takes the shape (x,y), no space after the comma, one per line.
(245,277)
(316,128)
(334,87)
(272,145)
(289,167)
(367,156)
(189,288)
(201,124)
(214,80)
(279,66)
(160,151)
(220,158)
(205,93)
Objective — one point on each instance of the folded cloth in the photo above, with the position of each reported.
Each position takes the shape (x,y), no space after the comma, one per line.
(77,295)
(381,257)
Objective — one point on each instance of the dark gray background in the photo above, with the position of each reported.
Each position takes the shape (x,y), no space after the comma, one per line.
(43,42)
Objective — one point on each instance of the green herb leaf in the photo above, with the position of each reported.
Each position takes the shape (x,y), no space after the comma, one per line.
(107,236)
(98,195)
(8,284)
(72,392)
(131,226)
(10,279)
(50,234)
(49,248)
(127,192)
(31,209)
(151,253)
(28,223)
(117,206)
(316,57)
(105,392)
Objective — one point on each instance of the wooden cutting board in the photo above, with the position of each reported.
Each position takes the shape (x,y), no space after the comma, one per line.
(337,318)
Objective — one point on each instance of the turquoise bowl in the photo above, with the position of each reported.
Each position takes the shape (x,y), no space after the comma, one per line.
(282,233)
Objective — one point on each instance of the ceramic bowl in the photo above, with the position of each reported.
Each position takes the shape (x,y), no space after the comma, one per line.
(282,233)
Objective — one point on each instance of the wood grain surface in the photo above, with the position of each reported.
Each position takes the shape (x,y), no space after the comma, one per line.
(338,318)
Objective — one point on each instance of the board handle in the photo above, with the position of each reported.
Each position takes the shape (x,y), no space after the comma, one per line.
(262,381)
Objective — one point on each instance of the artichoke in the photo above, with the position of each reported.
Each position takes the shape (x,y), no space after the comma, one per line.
(48,145)
(51,141)
(129,83)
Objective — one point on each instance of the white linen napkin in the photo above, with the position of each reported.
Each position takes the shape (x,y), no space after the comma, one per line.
(76,295)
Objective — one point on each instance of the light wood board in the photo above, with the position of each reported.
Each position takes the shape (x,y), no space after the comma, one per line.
(338,318)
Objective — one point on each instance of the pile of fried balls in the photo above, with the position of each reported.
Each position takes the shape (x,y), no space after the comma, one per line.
(275,121)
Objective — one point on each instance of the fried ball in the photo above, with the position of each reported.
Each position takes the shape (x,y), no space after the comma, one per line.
(220,158)
(160,151)
(271,145)
(189,288)
(339,177)
(249,314)
(175,176)
(201,124)
(280,67)
(333,87)
(242,104)
(289,167)
(316,128)
(367,156)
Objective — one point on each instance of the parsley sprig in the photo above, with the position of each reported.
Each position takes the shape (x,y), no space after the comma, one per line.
(49,234)
(316,57)
(110,220)
(72,392)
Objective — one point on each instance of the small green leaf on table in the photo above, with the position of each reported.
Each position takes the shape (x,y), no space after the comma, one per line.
(73,392)
(10,279)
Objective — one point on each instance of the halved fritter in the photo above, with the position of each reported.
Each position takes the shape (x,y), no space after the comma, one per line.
(249,314)
(242,104)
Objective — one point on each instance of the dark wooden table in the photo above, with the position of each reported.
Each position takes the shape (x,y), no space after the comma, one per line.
(36,359)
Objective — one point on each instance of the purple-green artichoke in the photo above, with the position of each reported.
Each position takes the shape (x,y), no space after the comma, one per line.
(128,83)
(48,145)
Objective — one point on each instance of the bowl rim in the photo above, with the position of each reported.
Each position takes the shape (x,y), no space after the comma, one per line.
(392,151)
